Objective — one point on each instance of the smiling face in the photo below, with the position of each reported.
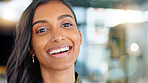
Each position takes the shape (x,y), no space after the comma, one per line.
(55,39)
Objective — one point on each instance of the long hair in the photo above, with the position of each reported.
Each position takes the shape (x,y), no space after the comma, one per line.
(20,68)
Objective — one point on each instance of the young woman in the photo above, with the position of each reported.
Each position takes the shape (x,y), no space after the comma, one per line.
(47,45)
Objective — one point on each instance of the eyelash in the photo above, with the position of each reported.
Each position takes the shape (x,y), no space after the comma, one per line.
(45,29)
(42,30)
(66,25)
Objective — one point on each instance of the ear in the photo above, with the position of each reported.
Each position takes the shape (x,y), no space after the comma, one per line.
(80,37)
(31,52)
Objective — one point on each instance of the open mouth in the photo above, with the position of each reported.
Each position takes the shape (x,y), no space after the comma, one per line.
(60,52)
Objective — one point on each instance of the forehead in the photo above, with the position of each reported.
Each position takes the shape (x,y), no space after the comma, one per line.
(50,10)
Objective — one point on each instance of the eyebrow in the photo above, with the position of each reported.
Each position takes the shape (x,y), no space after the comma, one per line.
(64,16)
(59,18)
(40,21)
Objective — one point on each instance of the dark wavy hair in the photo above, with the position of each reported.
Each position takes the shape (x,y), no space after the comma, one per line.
(20,68)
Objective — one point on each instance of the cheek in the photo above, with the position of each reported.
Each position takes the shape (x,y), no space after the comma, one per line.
(38,45)
(76,40)
(74,35)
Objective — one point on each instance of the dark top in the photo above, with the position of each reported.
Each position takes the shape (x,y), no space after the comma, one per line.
(77,77)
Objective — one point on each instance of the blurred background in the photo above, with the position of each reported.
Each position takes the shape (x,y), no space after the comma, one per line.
(114,33)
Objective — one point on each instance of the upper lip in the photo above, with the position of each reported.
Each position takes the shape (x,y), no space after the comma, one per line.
(58,47)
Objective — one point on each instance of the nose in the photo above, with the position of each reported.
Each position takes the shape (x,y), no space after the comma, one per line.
(57,36)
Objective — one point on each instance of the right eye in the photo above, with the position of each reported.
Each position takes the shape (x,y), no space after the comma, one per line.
(42,30)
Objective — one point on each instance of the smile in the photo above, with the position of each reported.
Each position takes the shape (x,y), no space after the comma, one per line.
(60,51)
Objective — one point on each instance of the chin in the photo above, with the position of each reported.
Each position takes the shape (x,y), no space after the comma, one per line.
(64,66)
(60,68)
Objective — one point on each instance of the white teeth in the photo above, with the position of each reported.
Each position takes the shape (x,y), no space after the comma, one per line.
(59,50)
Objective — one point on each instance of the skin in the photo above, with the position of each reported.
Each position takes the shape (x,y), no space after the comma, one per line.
(51,29)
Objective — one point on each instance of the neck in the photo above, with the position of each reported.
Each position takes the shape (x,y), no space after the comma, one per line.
(58,76)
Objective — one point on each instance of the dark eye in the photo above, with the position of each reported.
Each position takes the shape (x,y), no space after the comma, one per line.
(66,25)
(42,30)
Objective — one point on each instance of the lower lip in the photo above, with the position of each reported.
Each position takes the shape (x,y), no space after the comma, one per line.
(61,55)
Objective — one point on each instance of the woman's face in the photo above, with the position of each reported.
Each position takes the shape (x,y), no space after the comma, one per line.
(55,39)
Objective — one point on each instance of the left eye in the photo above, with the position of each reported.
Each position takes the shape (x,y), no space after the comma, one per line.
(66,25)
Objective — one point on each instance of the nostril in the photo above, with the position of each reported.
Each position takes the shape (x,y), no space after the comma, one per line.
(54,41)
(57,39)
